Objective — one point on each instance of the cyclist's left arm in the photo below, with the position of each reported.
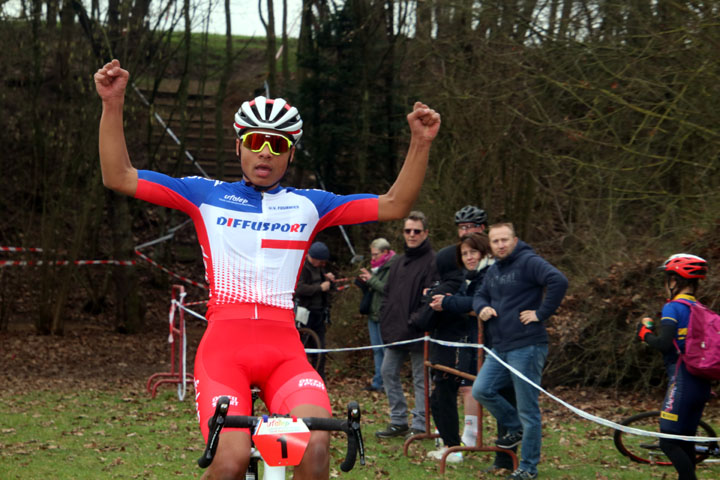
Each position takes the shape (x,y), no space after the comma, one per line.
(398,200)
(663,340)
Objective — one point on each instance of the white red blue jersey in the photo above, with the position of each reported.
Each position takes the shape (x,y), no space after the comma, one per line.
(254,243)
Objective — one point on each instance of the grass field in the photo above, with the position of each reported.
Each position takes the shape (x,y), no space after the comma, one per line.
(92,433)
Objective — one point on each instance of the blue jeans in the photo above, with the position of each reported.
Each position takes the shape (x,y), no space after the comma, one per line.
(493,377)
(378,353)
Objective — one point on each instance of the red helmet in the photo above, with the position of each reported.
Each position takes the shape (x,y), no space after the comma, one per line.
(686,265)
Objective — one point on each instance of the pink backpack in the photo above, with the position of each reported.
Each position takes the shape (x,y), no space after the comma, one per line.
(702,343)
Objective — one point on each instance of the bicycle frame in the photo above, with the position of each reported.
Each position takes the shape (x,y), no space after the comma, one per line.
(269,473)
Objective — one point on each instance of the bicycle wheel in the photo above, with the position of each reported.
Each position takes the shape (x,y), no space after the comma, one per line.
(310,339)
(643,449)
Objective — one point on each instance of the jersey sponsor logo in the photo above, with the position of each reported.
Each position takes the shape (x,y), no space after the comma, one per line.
(244,224)
(233,400)
(284,207)
(311,382)
(669,416)
(235,199)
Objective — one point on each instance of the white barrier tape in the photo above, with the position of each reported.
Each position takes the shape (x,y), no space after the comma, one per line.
(195,314)
(577,411)
(595,418)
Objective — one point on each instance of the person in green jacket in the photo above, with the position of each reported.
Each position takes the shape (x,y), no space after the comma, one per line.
(373,283)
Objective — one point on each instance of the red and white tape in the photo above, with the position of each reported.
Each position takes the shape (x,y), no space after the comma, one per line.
(20,249)
(26,263)
(33,263)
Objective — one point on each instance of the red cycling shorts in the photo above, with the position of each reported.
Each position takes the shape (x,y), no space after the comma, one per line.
(253,345)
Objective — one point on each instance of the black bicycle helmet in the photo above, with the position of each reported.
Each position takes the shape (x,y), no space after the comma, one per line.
(471,214)
(268,113)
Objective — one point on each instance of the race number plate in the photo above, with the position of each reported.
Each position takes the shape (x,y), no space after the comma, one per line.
(281,440)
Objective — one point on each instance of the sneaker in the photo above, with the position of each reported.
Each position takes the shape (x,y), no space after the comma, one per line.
(392,430)
(520,474)
(413,431)
(509,440)
(496,469)
(454,457)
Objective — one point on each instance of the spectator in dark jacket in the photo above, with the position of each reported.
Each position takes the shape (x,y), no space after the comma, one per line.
(520,292)
(313,293)
(410,274)
(473,253)
(452,327)
(457,322)
(469,219)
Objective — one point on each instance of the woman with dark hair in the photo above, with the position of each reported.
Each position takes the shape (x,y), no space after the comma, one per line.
(456,321)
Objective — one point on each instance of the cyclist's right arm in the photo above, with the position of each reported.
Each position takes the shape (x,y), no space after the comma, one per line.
(117,171)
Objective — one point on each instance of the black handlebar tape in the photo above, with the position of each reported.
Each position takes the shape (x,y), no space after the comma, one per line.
(351,454)
(336,424)
(241,421)
(328,424)
(216,423)
(351,427)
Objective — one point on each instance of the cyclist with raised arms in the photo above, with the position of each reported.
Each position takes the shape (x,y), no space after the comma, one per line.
(687,394)
(254,235)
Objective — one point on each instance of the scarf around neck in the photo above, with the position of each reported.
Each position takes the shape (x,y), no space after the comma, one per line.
(382,259)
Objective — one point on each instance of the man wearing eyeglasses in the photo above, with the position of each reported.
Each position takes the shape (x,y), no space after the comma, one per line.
(410,274)
(254,236)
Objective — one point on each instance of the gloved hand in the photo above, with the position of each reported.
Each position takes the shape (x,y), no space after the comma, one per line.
(642,331)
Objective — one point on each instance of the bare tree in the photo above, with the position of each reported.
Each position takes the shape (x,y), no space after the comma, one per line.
(271,41)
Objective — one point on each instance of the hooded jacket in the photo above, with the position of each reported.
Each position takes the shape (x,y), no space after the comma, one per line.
(521,281)
(409,274)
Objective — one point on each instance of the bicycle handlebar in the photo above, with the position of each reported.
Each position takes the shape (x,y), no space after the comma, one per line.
(351,427)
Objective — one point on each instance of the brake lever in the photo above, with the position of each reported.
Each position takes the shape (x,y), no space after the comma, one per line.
(216,423)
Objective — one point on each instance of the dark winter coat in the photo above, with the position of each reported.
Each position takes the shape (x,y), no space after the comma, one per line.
(409,274)
(444,325)
(462,301)
(308,292)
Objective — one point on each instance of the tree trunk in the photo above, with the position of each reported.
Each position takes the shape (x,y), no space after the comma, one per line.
(220,97)
(423,21)
(128,308)
(285,49)
(271,48)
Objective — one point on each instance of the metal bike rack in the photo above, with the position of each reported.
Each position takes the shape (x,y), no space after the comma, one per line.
(177,339)
(479,447)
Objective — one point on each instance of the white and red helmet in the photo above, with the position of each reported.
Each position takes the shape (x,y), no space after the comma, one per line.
(271,114)
(686,265)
